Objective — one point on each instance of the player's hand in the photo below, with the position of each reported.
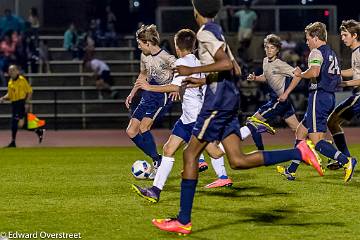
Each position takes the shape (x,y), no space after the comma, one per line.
(143,84)
(343,84)
(191,82)
(174,96)
(1,100)
(251,77)
(27,107)
(183,70)
(283,97)
(128,101)
(297,72)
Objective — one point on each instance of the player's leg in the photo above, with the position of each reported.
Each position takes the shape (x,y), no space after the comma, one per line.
(255,134)
(182,224)
(149,141)
(292,122)
(346,110)
(152,194)
(300,134)
(256,124)
(216,152)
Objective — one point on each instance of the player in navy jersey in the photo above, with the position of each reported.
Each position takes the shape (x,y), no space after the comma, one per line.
(156,68)
(218,120)
(192,101)
(324,74)
(349,108)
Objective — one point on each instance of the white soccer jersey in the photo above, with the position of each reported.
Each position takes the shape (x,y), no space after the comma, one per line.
(159,67)
(193,97)
(275,73)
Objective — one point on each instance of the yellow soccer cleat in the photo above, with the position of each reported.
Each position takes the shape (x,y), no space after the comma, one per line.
(260,125)
(349,168)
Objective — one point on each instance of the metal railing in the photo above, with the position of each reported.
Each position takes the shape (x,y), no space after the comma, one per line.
(274,17)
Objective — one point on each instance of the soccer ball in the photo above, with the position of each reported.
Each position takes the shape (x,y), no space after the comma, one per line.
(141,169)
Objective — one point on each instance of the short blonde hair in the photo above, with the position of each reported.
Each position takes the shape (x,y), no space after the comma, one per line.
(148,33)
(317,29)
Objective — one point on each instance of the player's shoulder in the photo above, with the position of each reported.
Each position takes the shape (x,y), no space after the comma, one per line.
(209,31)
(188,60)
(356,52)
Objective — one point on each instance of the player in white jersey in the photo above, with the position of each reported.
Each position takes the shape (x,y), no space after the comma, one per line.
(277,74)
(192,102)
(349,108)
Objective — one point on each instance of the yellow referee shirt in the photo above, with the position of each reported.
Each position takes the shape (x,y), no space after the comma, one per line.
(18,89)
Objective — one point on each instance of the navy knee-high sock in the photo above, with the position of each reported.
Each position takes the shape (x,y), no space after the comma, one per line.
(278,156)
(256,137)
(150,146)
(14,129)
(294,164)
(340,142)
(188,187)
(328,150)
(140,143)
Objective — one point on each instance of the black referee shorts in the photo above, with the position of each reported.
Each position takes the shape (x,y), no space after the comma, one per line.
(18,109)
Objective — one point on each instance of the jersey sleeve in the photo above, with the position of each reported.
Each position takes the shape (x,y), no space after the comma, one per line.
(27,86)
(285,69)
(210,42)
(315,58)
(177,80)
(142,63)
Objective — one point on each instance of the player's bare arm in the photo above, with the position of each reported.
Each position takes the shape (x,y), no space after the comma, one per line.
(222,63)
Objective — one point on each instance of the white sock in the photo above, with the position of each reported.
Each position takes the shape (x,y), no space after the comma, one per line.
(245,132)
(219,167)
(202,157)
(163,171)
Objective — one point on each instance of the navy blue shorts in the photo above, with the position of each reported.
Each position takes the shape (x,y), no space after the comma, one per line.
(18,109)
(349,108)
(216,125)
(182,130)
(320,106)
(106,76)
(151,108)
(274,108)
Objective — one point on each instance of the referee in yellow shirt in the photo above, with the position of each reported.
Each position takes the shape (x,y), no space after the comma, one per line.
(19,94)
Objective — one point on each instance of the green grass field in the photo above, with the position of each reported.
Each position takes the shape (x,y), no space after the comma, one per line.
(87,190)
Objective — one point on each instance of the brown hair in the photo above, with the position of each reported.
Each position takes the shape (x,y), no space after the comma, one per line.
(317,29)
(273,40)
(351,26)
(148,33)
(185,39)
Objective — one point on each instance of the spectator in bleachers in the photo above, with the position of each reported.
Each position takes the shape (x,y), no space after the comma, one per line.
(26,53)
(110,16)
(288,53)
(102,75)
(8,48)
(34,21)
(111,37)
(71,42)
(247,20)
(89,48)
(44,57)
(10,23)
(100,39)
